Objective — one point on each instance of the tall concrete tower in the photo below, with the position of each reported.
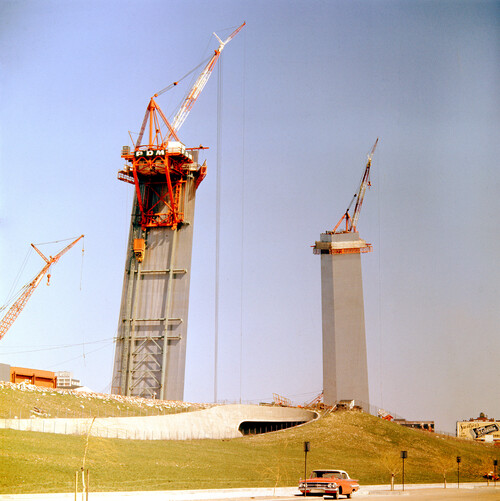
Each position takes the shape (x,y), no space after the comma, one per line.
(345,372)
(152,329)
(150,351)
(345,369)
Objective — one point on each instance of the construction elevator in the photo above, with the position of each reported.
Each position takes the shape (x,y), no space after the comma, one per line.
(150,351)
(345,368)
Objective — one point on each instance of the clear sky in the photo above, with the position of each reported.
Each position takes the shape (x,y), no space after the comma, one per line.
(307,88)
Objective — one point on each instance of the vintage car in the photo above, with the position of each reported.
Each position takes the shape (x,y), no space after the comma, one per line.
(329,482)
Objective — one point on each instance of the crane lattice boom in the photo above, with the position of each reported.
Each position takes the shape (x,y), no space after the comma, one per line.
(28,290)
(200,83)
(351,222)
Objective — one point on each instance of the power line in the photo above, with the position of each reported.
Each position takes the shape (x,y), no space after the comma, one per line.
(57,347)
(79,356)
(217,223)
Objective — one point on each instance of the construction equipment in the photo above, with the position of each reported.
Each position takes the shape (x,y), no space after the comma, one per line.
(165,157)
(315,402)
(152,329)
(29,288)
(281,401)
(351,222)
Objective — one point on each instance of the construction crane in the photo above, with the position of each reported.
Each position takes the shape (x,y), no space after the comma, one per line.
(29,288)
(163,157)
(351,222)
(200,83)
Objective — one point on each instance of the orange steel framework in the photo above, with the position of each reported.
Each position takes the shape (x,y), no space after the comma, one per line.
(164,157)
(350,250)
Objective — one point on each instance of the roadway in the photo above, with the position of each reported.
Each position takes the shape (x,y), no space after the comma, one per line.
(479,491)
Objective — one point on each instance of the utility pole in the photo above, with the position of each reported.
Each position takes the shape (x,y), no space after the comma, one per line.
(404,455)
(307,448)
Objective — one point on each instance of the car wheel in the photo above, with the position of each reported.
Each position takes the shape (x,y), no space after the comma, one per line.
(348,495)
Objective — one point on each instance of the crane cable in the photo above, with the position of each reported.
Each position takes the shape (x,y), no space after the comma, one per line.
(242,269)
(57,241)
(217,224)
(11,296)
(174,84)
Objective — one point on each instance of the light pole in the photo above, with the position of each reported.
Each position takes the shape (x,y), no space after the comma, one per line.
(459,459)
(495,464)
(404,455)
(307,448)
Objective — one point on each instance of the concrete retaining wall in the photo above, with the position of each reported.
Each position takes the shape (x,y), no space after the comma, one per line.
(216,423)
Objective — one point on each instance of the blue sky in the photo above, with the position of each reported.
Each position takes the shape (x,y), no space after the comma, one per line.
(307,88)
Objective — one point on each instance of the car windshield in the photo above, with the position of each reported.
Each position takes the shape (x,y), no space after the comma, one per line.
(326,474)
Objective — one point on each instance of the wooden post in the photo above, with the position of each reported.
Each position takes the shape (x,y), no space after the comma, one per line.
(88,486)
(83,484)
(76,483)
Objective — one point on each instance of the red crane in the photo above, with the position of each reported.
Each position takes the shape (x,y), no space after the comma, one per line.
(164,158)
(29,288)
(351,222)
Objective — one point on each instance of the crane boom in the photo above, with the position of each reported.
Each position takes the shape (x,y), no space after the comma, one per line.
(21,301)
(351,222)
(365,182)
(201,81)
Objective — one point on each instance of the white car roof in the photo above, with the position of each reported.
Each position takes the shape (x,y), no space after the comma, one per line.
(333,471)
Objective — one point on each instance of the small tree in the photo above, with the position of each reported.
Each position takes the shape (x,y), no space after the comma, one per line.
(444,464)
(392,463)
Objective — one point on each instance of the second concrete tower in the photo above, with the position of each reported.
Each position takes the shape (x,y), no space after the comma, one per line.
(345,367)
(345,372)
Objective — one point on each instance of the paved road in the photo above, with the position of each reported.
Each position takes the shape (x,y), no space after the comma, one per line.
(367,493)
(482,493)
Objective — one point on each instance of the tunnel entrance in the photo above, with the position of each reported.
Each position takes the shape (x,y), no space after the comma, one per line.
(257,427)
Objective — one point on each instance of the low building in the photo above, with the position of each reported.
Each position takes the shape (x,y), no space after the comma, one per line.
(66,381)
(481,428)
(37,377)
(416,425)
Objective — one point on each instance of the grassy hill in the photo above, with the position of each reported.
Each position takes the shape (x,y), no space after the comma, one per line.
(366,446)
(26,401)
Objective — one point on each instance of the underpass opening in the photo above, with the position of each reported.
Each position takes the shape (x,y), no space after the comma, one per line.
(258,427)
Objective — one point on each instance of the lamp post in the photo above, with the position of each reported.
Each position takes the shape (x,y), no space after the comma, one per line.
(307,448)
(404,455)
(495,464)
(459,459)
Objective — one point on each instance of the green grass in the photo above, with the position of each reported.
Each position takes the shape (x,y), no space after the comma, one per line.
(366,446)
